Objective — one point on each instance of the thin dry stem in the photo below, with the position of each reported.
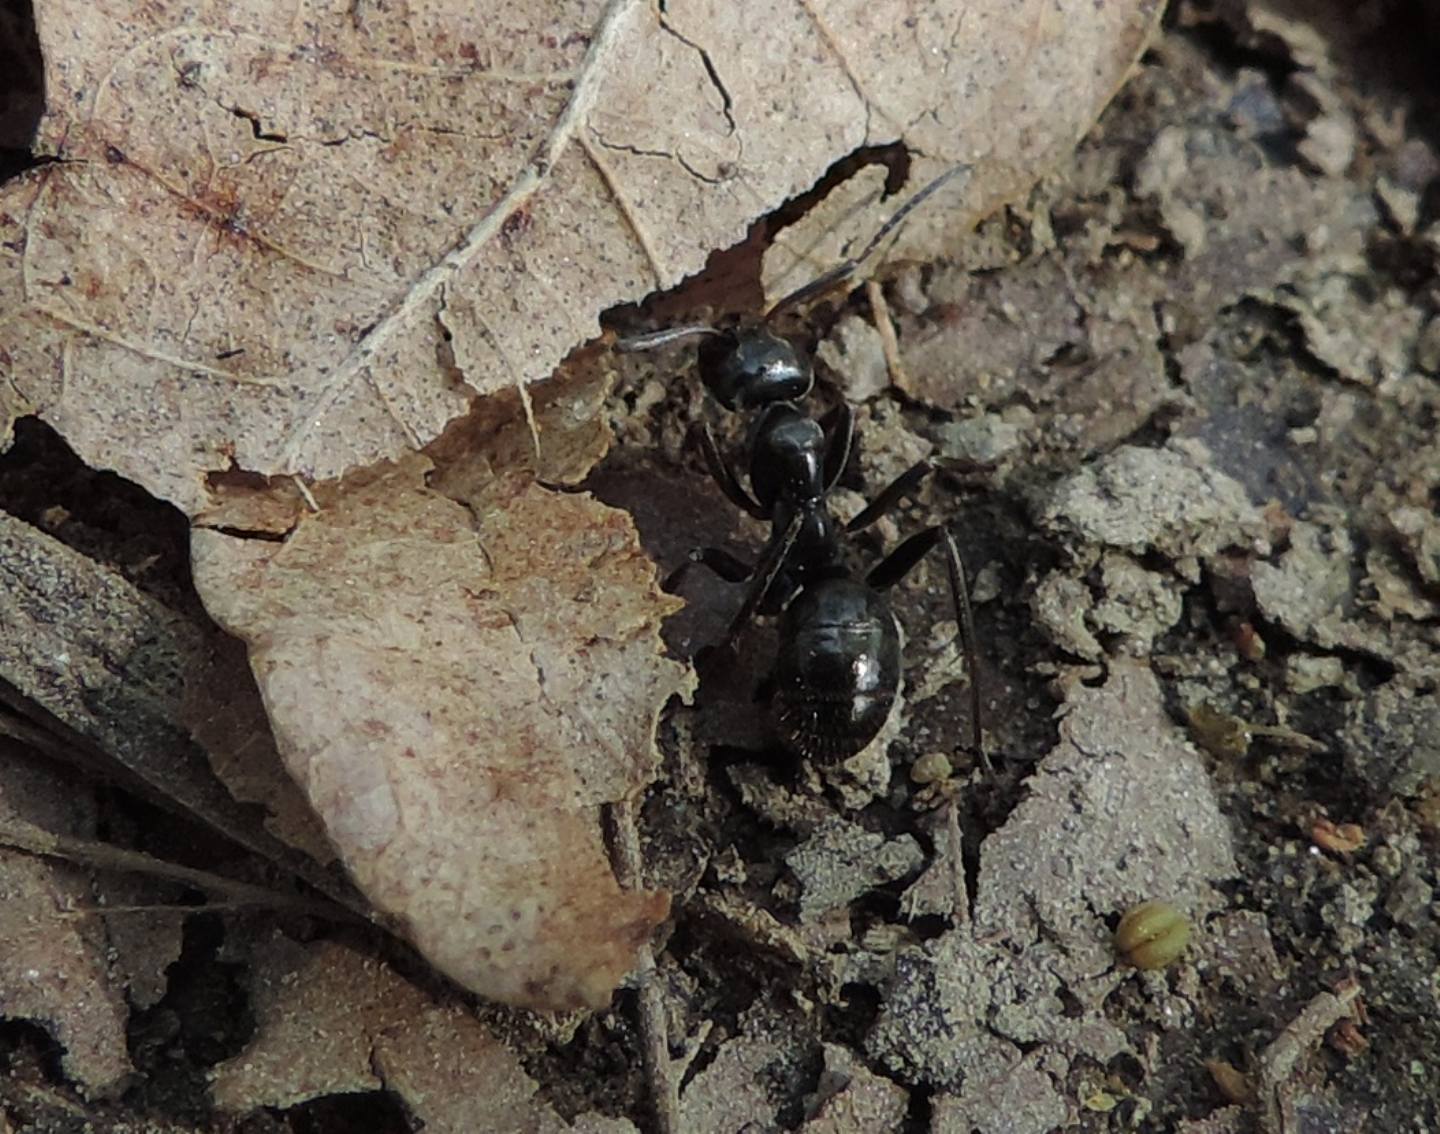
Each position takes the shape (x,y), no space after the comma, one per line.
(961,896)
(660,1072)
(1302,1035)
(889,342)
(94,855)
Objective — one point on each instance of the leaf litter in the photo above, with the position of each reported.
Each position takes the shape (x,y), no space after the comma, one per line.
(1072,1040)
(54,968)
(457,703)
(275,222)
(1175,488)
(332,1020)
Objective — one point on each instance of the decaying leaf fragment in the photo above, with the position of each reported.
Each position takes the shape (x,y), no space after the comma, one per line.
(458,691)
(330,1020)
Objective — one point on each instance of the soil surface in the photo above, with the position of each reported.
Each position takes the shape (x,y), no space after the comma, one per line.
(1182,410)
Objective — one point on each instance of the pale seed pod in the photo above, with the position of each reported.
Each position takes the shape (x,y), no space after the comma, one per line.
(1152,935)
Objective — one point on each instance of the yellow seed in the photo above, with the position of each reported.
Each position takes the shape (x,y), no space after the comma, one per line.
(1100,1101)
(1152,935)
(931,768)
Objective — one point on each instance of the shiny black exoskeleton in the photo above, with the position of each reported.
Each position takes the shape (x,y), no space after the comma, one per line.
(750,366)
(837,672)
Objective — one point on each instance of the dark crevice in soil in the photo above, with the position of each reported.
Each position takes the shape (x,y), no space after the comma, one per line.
(99,514)
(203,1018)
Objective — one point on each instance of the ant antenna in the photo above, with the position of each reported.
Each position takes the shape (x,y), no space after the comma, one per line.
(655,339)
(818,286)
(841,272)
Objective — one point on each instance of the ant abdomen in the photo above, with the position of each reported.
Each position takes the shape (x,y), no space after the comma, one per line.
(837,673)
(749,366)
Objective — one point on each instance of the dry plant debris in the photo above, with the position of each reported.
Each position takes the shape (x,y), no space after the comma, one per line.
(457,692)
(118,670)
(224,714)
(344,230)
(312,235)
(1199,364)
(55,966)
(331,1020)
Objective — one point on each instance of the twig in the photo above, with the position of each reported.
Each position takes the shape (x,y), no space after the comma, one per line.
(30,839)
(961,895)
(650,1001)
(681,1063)
(1305,1032)
(889,343)
(304,490)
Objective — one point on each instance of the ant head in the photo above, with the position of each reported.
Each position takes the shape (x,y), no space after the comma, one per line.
(750,366)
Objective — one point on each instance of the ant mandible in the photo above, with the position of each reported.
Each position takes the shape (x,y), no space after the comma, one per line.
(837,672)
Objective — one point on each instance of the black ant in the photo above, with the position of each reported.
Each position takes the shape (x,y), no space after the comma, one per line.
(838,670)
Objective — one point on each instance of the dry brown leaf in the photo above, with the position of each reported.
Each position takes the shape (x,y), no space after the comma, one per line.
(299,239)
(458,1079)
(316,1012)
(458,692)
(54,966)
(330,1020)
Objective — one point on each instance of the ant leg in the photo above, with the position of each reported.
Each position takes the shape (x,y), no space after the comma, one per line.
(902,485)
(764,576)
(900,563)
(839,440)
(722,563)
(724,476)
